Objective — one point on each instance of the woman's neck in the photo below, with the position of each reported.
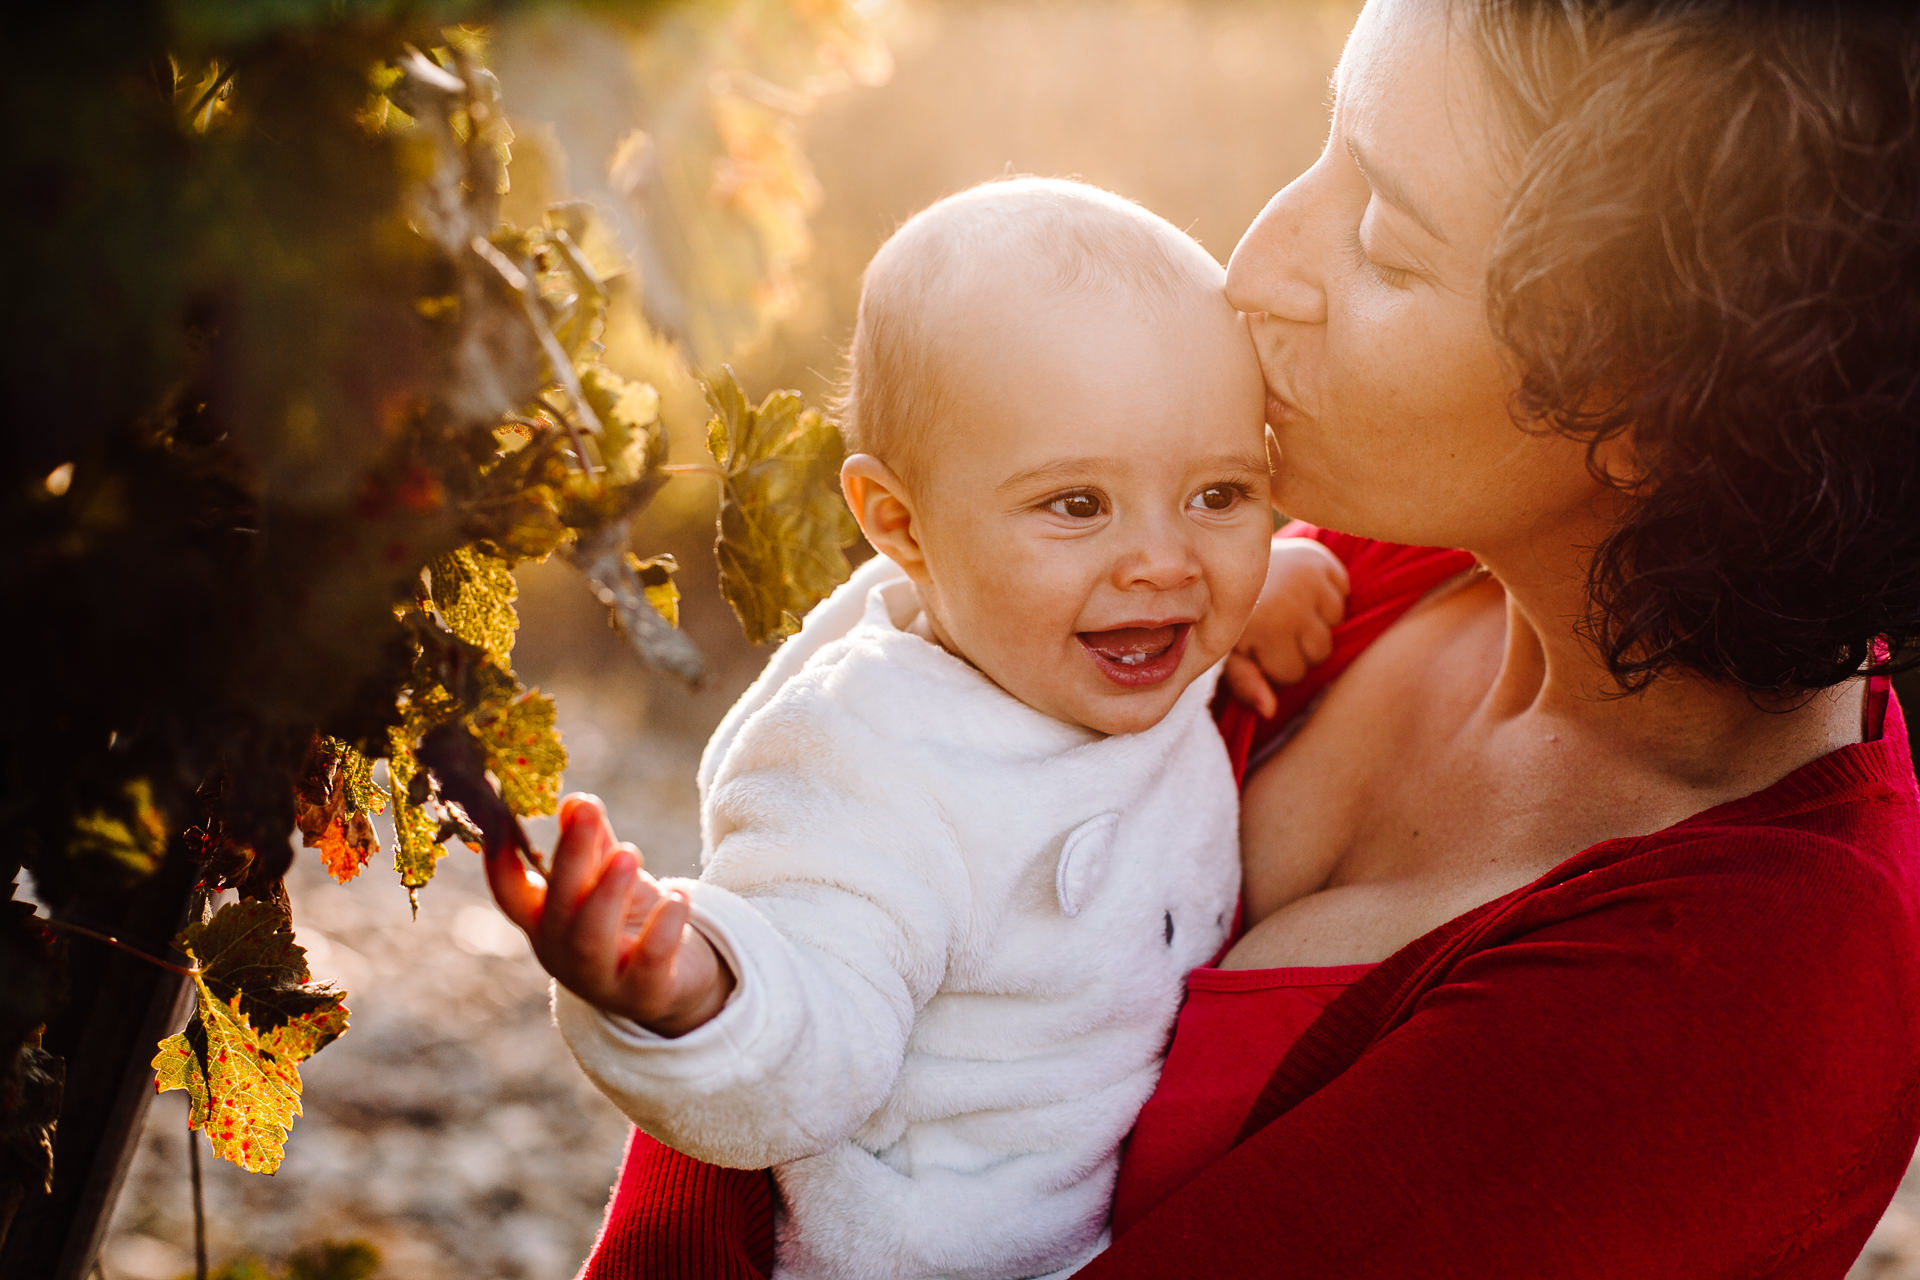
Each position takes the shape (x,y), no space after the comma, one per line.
(1689,730)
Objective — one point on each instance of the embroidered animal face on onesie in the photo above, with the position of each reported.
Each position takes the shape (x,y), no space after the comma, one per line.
(1059,434)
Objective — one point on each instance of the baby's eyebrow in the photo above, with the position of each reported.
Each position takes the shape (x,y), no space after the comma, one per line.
(1059,469)
(1081,469)
(1230,462)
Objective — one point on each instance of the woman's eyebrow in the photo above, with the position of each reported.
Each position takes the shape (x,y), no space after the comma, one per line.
(1389,188)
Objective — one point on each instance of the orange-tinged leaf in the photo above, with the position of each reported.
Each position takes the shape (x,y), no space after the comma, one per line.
(242,1096)
(330,805)
(347,846)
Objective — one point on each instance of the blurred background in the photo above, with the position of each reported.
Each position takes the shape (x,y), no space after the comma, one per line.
(449,1128)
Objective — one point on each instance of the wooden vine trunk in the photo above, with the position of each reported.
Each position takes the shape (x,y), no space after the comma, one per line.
(117,1009)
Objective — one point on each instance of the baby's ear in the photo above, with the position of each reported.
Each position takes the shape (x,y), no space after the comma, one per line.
(882,505)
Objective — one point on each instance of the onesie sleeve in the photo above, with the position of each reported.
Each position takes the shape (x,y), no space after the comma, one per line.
(833,894)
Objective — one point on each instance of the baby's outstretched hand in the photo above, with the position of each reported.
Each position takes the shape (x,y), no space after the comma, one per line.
(1292,624)
(606,929)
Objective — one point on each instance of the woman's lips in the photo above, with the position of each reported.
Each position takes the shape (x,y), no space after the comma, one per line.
(1137,657)
(1269,345)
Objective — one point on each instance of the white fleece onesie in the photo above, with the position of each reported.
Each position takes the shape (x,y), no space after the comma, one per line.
(960,929)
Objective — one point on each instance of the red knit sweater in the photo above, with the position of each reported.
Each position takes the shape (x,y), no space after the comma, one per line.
(1694,1053)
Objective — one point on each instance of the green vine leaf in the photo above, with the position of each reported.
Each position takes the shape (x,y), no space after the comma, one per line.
(416,834)
(632,442)
(364,795)
(782,523)
(474,591)
(523,753)
(656,578)
(128,832)
(259,1017)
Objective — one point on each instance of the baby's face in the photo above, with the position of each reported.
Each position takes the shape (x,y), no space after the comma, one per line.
(1094,509)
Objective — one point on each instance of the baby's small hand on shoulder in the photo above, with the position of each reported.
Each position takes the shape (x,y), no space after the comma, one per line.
(1291,629)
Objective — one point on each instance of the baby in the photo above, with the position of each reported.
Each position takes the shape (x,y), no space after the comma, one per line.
(967,834)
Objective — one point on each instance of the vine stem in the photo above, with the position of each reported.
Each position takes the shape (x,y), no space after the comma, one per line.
(557,358)
(692,469)
(206,100)
(573,433)
(69,927)
(199,1208)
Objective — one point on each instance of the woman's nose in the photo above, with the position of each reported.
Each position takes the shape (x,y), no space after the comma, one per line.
(1275,267)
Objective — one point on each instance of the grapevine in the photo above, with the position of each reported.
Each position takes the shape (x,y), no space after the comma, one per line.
(298,400)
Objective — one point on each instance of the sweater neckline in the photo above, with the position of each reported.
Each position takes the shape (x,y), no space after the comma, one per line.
(1834,778)
(1876,766)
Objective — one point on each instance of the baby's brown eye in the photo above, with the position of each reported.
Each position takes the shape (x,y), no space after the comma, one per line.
(1077,506)
(1217,497)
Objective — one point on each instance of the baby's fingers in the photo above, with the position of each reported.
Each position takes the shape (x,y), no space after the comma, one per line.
(586,955)
(598,930)
(1330,598)
(660,935)
(1249,684)
(521,894)
(1281,659)
(1316,644)
(580,854)
(646,976)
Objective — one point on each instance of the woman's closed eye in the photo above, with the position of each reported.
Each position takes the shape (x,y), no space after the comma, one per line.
(1392,277)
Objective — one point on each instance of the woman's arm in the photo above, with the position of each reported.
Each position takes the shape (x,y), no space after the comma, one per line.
(1711,1071)
(674,1218)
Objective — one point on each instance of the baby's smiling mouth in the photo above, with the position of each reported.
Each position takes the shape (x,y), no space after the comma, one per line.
(1137,656)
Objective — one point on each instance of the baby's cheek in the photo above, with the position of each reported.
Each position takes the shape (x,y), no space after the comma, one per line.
(1246,582)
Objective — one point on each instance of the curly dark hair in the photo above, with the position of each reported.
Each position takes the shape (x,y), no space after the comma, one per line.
(1713,249)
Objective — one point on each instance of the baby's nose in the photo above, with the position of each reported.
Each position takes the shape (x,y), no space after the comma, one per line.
(1160,556)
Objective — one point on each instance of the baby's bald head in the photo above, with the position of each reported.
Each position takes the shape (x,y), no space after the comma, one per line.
(993,249)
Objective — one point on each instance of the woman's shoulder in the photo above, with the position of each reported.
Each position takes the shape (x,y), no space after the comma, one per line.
(1848,818)
(1814,879)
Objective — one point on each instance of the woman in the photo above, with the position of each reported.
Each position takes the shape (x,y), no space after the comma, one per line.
(1597,845)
